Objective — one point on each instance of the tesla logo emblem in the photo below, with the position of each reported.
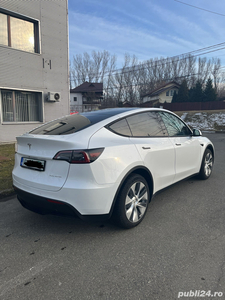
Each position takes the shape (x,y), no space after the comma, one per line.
(29,145)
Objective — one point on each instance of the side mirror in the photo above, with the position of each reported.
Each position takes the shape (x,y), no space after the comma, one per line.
(196,132)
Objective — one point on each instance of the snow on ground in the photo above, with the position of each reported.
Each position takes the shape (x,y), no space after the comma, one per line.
(205,120)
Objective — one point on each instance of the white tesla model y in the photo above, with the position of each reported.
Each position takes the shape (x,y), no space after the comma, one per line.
(107,162)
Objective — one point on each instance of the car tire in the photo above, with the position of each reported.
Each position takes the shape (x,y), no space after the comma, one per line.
(207,165)
(132,202)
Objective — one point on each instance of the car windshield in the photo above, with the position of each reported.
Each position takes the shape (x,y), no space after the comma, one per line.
(76,122)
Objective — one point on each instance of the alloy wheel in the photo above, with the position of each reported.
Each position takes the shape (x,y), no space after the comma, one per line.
(208,164)
(136,202)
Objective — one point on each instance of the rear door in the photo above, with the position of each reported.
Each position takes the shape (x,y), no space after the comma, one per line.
(154,146)
(187,147)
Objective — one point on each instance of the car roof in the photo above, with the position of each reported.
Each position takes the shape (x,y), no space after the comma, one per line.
(87,121)
(101,118)
(100,115)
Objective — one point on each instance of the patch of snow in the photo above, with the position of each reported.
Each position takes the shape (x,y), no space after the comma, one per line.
(183,116)
(205,121)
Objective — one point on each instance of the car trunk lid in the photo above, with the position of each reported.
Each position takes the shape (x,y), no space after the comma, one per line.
(34,164)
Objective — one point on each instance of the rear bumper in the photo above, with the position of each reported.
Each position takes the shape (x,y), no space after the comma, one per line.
(43,205)
(88,198)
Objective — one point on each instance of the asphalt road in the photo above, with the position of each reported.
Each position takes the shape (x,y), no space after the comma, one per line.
(178,248)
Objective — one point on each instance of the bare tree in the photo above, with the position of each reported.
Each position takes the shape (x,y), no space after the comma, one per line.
(91,68)
(108,79)
(136,79)
(216,70)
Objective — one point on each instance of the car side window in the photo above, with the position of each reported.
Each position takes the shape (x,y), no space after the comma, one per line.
(146,124)
(121,127)
(174,125)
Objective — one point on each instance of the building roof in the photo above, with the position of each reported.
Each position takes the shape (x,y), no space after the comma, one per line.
(88,87)
(163,88)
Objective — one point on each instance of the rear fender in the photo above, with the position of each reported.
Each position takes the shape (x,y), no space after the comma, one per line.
(141,170)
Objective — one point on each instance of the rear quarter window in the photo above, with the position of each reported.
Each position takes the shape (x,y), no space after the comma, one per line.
(121,127)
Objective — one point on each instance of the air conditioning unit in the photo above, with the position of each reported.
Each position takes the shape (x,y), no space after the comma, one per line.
(54,97)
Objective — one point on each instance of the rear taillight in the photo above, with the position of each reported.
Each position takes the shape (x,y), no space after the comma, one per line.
(79,156)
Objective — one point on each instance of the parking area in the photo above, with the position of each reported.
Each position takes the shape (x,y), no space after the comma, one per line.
(179,247)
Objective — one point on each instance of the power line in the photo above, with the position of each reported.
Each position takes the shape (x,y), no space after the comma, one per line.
(213,12)
(187,53)
(179,57)
(131,69)
(194,53)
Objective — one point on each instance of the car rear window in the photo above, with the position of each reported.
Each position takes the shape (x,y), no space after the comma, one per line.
(76,122)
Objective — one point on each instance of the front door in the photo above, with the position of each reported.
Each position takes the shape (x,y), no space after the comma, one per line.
(187,148)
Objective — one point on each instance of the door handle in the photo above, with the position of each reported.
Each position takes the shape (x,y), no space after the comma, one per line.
(146,148)
(177,144)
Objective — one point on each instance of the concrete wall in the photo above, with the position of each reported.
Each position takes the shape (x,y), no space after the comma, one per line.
(43,72)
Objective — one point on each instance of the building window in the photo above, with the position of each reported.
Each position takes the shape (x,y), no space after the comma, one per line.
(3,30)
(20,106)
(74,98)
(167,93)
(19,33)
(172,93)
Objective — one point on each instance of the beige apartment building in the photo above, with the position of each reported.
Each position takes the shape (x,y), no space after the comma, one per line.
(34,71)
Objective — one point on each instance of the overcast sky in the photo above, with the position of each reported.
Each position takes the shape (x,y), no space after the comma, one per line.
(146,28)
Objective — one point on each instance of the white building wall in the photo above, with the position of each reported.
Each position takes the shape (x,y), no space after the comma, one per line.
(161,97)
(148,98)
(79,99)
(43,72)
(165,98)
(76,105)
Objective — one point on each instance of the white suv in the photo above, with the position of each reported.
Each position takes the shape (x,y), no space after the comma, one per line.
(106,162)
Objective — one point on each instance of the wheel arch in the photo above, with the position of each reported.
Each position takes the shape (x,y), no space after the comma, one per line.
(143,171)
(201,174)
(210,147)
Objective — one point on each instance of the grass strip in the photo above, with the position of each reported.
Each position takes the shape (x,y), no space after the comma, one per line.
(7,154)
